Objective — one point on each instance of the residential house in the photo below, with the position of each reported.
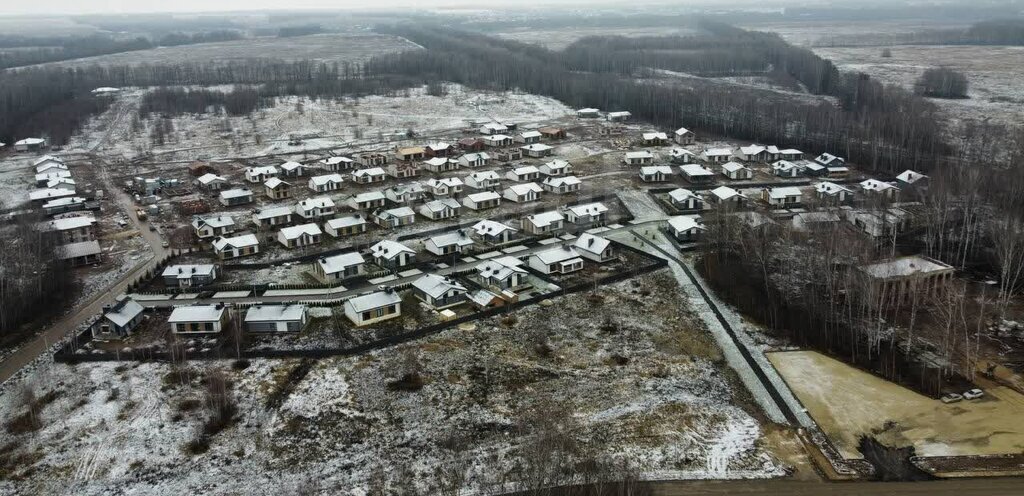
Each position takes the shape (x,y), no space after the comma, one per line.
(73,229)
(51,166)
(523,193)
(493,232)
(685,227)
(300,236)
(368,176)
(198,319)
(643,157)
(405,193)
(588,113)
(483,180)
(471,160)
(543,223)
(654,139)
(556,167)
(212,227)
(403,170)
(392,254)
(556,260)
(737,171)
(791,154)
(48,159)
(270,217)
(445,186)
(552,133)
(29,144)
(395,217)
(497,140)
(537,150)
(717,155)
(685,137)
(62,205)
(878,224)
(752,153)
(275,318)
(528,137)
(785,168)
(448,243)
(502,273)
(439,292)
(346,226)
(482,200)
(782,196)
(492,128)
(373,308)
(44,195)
(562,185)
(235,247)
(80,253)
(315,208)
(292,169)
(276,189)
(44,178)
(118,320)
(441,208)
(726,195)
(696,174)
(258,175)
(369,200)
(829,160)
(61,182)
(655,173)
(508,154)
(682,156)
(619,116)
(912,180)
(338,164)
(211,182)
(470,145)
(235,197)
(685,200)
(440,149)
(812,221)
(587,214)
(189,275)
(441,164)
(410,153)
(874,187)
(339,267)
(372,159)
(594,248)
(325,183)
(901,279)
(525,173)
(833,193)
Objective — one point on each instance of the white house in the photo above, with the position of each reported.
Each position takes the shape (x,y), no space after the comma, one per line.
(259,175)
(211,182)
(537,150)
(445,186)
(236,246)
(879,188)
(405,193)
(211,227)
(587,214)
(474,159)
(441,208)
(29,144)
(391,254)
(638,158)
(484,180)
(188,275)
(315,208)
(736,171)
(274,216)
(300,236)
(785,168)
(496,140)
(832,192)
(829,160)
(654,138)
(782,196)
(501,273)
(493,128)
(543,223)
(482,200)
(725,194)
(525,173)
(438,291)
(810,221)
(60,182)
(556,167)
(441,164)
(346,226)
(234,197)
(528,137)
(522,193)
(292,169)
(562,184)
(339,267)
(42,195)
(374,307)
(684,136)
(912,179)
(556,260)
(325,183)
(685,200)
(790,154)
(752,153)
(493,232)
(655,173)
(588,113)
(198,319)
(448,243)
(368,176)
(275,318)
(696,174)
(682,156)
(395,217)
(44,178)
(618,116)
(594,248)
(276,189)
(118,320)
(685,227)
(717,155)
(366,201)
(338,164)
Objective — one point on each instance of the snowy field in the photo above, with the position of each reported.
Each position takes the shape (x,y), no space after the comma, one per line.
(558,39)
(513,403)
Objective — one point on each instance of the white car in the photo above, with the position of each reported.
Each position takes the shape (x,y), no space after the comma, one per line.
(973,394)
(951,398)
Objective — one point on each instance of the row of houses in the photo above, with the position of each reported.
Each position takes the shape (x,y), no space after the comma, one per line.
(74,229)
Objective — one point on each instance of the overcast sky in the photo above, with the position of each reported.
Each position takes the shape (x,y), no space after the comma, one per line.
(111,6)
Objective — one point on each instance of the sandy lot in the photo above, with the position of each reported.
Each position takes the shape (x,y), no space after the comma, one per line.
(847,402)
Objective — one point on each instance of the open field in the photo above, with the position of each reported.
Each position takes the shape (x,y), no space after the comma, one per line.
(994,73)
(826,33)
(321,48)
(848,403)
(558,39)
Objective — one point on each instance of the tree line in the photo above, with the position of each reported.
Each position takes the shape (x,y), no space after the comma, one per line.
(24,51)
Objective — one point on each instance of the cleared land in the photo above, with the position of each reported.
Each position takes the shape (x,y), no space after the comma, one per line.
(847,402)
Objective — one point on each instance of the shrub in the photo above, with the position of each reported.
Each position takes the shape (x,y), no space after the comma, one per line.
(942,82)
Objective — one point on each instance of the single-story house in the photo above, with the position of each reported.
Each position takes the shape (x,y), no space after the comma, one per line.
(472,160)
(552,133)
(682,156)
(638,158)
(368,176)
(198,319)
(275,318)
(537,150)
(63,205)
(829,160)
(258,175)
(44,178)
(470,145)
(211,227)
(493,232)
(618,116)
(29,144)
(556,260)
(725,194)
(118,320)
(525,173)
(442,208)
(369,200)
(588,113)
(587,214)
(594,248)
(556,167)
(441,164)
(345,226)
(47,194)
(374,307)
(189,275)
(372,159)
(696,174)
(439,149)
(562,184)
(502,273)
(439,291)
(655,173)
(211,182)
(392,254)
(543,223)
(492,128)
(752,153)
(445,186)
(235,197)
(395,217)
(483,180)
(912,180)
(410,153)
(448,243)
(654,139)
(791,154)
(236,246)
(405,193)
(497,140)
(832,192)
(782,196)
(522,193)
(685,227)
(80,253)
(292,169)
(482,200)
(810,221)
(717,155)
(737,171)
(273,216)
(339,267)
(315,208)
(685,200)
(528,137)
(785,168)
(325,183)
(879,188)
(338,164)
(300,236)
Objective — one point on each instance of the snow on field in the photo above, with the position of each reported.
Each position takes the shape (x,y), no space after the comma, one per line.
(555,387)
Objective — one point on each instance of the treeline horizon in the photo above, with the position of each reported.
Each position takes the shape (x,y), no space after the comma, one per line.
(21,51)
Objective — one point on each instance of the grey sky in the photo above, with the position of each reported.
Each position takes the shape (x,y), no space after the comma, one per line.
(118,6)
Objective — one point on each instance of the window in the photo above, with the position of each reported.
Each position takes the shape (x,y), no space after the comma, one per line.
(208,326)
(366,316)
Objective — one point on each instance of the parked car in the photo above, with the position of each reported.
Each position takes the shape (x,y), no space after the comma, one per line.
(973,394)
(951,398)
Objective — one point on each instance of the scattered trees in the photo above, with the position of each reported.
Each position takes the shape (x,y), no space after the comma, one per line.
(942,82)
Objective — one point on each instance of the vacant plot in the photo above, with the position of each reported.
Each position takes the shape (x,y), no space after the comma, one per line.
(324,48)
(848,403)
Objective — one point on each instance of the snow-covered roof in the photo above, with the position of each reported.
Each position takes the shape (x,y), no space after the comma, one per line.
(80,249)
(317,202)
(436,286)
(522,189)
(654,136)
(530,134)
(910,177)
(790,151)
(500,268)
(491,227)
(620,113)
(214,221)
(557,164)
(372,171)
(389,249)
(655,169)
(336,160)
(338,263)
(495,126)
(733,166)
(593,244)
(784,165)
(537,147)
(595,208)
(290,166)
(196,313)
(71,222)
(639,155)
(369,196)
(557,182)
(275,313)
(525,170)
(681,194)
(694,170)
(683,223)
(235,193)
(557,254)
(439,146)
(781,192)
(472,157)
(497,137)
(905,266)
(829,188)
(681,152)
(717,152)
(295,232)
(60,202)
(483,196)
(347,221)
(587,110)
(326,179)
(456,238)
(876,185)
(481,176)
(373,301)
(450,182)
(545,218)
(271,212)
(42,194)
(46,176)
(827,158)
(442,204)
(725,193)
(210,178)
(752,149)
(266,170)
(274,182)
(123,312)
(187,271)
(46,158)
(30,141)
(396,212)
(240,241)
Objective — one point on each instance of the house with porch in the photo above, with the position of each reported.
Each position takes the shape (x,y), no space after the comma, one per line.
(833,193)
(482,200)
(484,180)
(654,139)
(259,175)
(716,155)
(198,319)
(685,228)
(655,173)
(339,267)
(395,217)
(369,200)
(211,227)
(472,160)
(338,164)
(439,292)
(236,246)
(441,164)
(444,186)
(441,208)
(562,184)
(522,174)
(372,308)
(369,176)
(737,171)
(300,236)
(292,169)
(685,200)
(643,157)
(587,214)
(188,275)
(405,193)
(523,193)
(325,183)
(556,260)
(556,167)
(782,196)
(448,243)
(315,208)
(537,150)
(543,223)
(266,218)
(346,226)
(696,174)
(493,232)
(235,197)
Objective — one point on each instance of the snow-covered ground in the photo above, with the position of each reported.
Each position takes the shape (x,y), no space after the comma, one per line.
(512,401)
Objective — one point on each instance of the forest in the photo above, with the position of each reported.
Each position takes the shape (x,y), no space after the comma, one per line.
(24,51)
